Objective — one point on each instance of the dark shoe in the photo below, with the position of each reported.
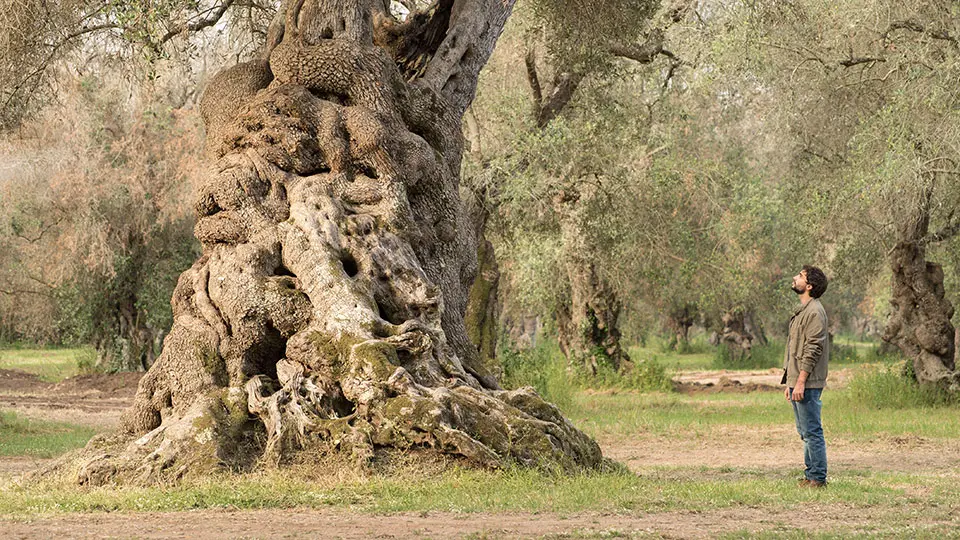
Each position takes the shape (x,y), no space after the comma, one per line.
(812,483)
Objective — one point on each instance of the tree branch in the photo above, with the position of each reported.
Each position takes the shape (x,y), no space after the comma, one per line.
(15,292)
(564,86)
(919,28)
(196,25)
(475,26)
(946,233)
(645,52)
(862,60)
(54,48)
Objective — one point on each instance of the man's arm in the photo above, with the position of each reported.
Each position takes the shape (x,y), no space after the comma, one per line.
(814,338)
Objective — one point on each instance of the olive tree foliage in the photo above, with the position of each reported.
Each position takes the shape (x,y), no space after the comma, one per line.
(546,88)
(871,98)
(95,223)
(40,39)
(655,179)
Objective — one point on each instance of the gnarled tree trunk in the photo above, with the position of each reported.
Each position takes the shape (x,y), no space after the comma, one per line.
(588,328)
(328,305)
(680,318)
(482,317)
(920,322)
(740,333)
(588,331)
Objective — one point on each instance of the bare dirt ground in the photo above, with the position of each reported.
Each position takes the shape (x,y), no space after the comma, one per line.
(347,525)
(709,381)
(98,401)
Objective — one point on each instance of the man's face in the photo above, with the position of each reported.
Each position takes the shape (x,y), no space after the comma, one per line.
(800,284)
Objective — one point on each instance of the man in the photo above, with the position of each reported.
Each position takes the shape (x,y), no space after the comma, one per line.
(805,371)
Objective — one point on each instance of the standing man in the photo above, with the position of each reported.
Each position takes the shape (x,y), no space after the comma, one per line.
(805,371)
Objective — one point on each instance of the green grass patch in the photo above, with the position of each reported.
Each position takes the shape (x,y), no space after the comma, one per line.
(33,438)
(672,360)
(478,491)
(892,386)
(849,350)
(623,414)
(51,365)
(761,356)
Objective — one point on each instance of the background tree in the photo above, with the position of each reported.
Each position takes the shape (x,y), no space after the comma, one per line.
(96,224)
(579,47)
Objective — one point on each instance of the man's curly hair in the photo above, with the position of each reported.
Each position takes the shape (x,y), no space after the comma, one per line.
(816,279)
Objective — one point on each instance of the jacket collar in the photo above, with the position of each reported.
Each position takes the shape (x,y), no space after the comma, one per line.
(802,307)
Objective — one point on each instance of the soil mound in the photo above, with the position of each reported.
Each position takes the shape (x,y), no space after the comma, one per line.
(725,384)
(112,385)
(12,380)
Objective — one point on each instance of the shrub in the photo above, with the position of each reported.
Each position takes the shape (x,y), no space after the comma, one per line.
(844,354)
(546,369)
(542,367)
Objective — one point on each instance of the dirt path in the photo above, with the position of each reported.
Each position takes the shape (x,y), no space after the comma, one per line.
(707,381)
(209,524)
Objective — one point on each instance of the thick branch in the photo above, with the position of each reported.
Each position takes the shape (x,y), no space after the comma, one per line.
(947,232)
(919,28)
(564,86)
(475,26)
(850,62)
(195,26)
(644,53)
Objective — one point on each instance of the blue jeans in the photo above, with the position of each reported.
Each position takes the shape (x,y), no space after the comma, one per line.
(807,414)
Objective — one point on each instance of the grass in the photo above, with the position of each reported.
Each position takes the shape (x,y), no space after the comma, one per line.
(482,491)
(622,414)
(51,365)
(26,437)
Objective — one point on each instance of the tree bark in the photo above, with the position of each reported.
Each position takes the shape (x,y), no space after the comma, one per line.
(679,320)
(920,322)
(738,333)
(588,332)
(588,328)
(482,317)
(328,305)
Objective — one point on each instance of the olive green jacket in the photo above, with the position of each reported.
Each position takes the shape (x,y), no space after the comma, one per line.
(808,346)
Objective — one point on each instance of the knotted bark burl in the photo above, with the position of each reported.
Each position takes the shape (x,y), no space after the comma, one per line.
(328,304)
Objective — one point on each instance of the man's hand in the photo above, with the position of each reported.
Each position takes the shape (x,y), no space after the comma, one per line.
(786,393)
(798,391)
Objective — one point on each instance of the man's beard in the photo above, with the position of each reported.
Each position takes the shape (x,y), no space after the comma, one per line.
(796,290)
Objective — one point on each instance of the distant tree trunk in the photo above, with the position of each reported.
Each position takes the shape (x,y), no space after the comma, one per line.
(679,320)
(588,328)
(121,337)
(920,323)
(482,317)
(588,331)
(754,327)
(738,333)
(328,305)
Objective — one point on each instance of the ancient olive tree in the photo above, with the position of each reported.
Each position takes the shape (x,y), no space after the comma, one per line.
(328,304)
